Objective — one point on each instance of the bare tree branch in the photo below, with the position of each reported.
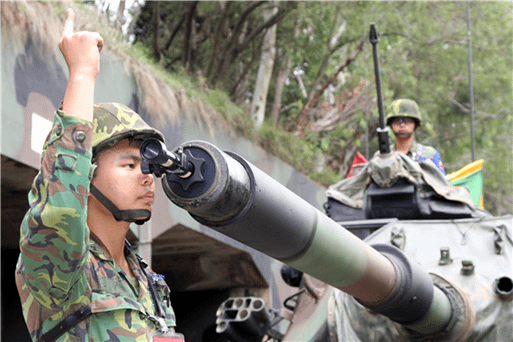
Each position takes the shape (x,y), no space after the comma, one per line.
(296,124)
(345,109)
(173,34)
(287,107)
(272,21)
(484,117)
(227,58)
(135,16)
(217,37)
(467,110)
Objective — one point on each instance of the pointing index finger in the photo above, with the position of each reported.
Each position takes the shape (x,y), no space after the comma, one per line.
(69,23)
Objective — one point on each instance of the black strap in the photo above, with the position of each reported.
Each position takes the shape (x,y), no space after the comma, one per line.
(119,215)
(66,324)
(151,285)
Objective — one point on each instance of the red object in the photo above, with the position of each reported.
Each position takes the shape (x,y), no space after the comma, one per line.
(358,159)
(167,339)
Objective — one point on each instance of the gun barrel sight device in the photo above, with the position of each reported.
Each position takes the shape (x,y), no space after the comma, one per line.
(158,160)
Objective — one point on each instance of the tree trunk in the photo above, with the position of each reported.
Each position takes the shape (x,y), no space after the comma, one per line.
(230,46)
(280,83)
(156,18)
(225,6)
(301,85)
(239,88)
(120,19)
(135,16)
(286,67)
(189,29)
(324,64)
(173,34)
(265,69)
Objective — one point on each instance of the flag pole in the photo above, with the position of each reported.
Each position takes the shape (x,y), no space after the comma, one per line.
(471,88)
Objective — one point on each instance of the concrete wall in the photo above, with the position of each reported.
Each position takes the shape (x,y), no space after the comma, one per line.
(34,78)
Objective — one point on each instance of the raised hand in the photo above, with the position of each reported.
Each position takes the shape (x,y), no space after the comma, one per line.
(81,50)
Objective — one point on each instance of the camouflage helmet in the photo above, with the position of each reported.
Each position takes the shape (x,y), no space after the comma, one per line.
(114,122)
(405,108)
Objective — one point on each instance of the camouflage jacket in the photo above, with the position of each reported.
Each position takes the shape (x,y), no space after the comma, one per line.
(63,268)
(419,152)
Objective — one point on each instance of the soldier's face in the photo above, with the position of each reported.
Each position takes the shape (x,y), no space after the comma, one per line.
(119,177)
(403,126)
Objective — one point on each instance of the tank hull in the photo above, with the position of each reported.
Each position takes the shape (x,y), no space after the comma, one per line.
(487,243)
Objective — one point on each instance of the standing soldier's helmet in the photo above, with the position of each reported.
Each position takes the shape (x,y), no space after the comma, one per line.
(112,123)
(404,108)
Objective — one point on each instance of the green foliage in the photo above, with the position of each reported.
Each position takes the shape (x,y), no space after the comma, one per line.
(325,177)
(235,115)
(423,56)
(304,158)
(59,9)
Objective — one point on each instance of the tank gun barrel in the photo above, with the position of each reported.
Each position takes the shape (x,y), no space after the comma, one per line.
(237,199)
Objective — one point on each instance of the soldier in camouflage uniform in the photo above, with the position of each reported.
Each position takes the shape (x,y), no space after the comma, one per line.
(78,278)
(404,119)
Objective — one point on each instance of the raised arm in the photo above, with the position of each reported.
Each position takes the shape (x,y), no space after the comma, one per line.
(81,50)
(54,237)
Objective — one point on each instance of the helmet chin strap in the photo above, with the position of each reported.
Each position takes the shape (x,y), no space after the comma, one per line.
(121,215)
(406,135)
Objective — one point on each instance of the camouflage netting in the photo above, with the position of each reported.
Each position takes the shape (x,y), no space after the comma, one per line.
(386,169)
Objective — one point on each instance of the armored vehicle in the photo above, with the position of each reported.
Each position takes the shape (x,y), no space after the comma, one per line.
(399,255)
(413,263)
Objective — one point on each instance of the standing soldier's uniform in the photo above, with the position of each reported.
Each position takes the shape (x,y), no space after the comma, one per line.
(419,152)
(67,281)
(404,108)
